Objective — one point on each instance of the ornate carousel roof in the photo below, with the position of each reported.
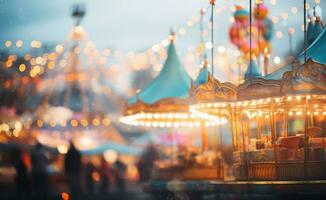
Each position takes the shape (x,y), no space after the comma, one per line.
(209,89)
(210,96)
(257,88)
(308,78)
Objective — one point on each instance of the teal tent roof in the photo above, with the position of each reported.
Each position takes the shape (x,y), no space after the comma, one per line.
(119,148)
(317,30)
(202,77)
(172,82)
(255,71)
(310,35)
(316,51)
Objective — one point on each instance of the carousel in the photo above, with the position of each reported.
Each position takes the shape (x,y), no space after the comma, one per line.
(168,109)
(282,130)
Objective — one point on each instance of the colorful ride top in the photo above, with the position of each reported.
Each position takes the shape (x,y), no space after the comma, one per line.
(252,38)
(73,100)
(164,102)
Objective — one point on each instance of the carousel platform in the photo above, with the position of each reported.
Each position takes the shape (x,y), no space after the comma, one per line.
(314,189)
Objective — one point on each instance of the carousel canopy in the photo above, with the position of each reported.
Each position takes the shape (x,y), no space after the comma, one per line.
(164,103)
(172,82)
(316,51)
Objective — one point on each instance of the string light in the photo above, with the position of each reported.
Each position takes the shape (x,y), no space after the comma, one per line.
(163,120)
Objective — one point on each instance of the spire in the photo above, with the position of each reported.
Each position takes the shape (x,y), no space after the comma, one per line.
(172,36)
(203,74)
(318,28)
(78,13)
(310,28)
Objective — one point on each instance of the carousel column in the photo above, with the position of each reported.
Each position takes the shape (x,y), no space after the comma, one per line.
(246,167)
(306,143)
(285,120)
(258,120)
(170,133)
(204,136)
(311,113)
(274,138)
(216,151)
(221,163)
(232,129)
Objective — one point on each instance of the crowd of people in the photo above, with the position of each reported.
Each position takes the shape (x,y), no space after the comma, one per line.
(81,178)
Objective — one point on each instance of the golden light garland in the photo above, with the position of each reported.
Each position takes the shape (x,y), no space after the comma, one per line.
(259,96)
(96,121)
(168,120)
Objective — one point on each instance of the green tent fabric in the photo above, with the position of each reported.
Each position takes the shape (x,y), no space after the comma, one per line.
(316,51)
(202,77)
(172,82)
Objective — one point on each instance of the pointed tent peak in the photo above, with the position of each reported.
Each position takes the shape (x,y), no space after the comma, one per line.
(317,29)
(78,12)
(173,81)
(310,30)
(202,77)
(205,62)
(255,71)
(172,36)
(203,74)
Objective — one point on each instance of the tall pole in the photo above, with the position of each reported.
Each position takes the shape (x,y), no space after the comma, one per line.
(305,28)
(246,167)
(306,150)
(201,30)
(274,138)
(307,101)
(258,35)
(290,43)
(250,38)
(212,2)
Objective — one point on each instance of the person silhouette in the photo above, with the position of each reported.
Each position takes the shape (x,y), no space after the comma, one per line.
(73,165)
(22,178)
(120,170)
(105,173)
(39,171)
(89,170)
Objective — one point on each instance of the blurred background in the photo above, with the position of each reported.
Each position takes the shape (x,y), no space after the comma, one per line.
(66,71)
